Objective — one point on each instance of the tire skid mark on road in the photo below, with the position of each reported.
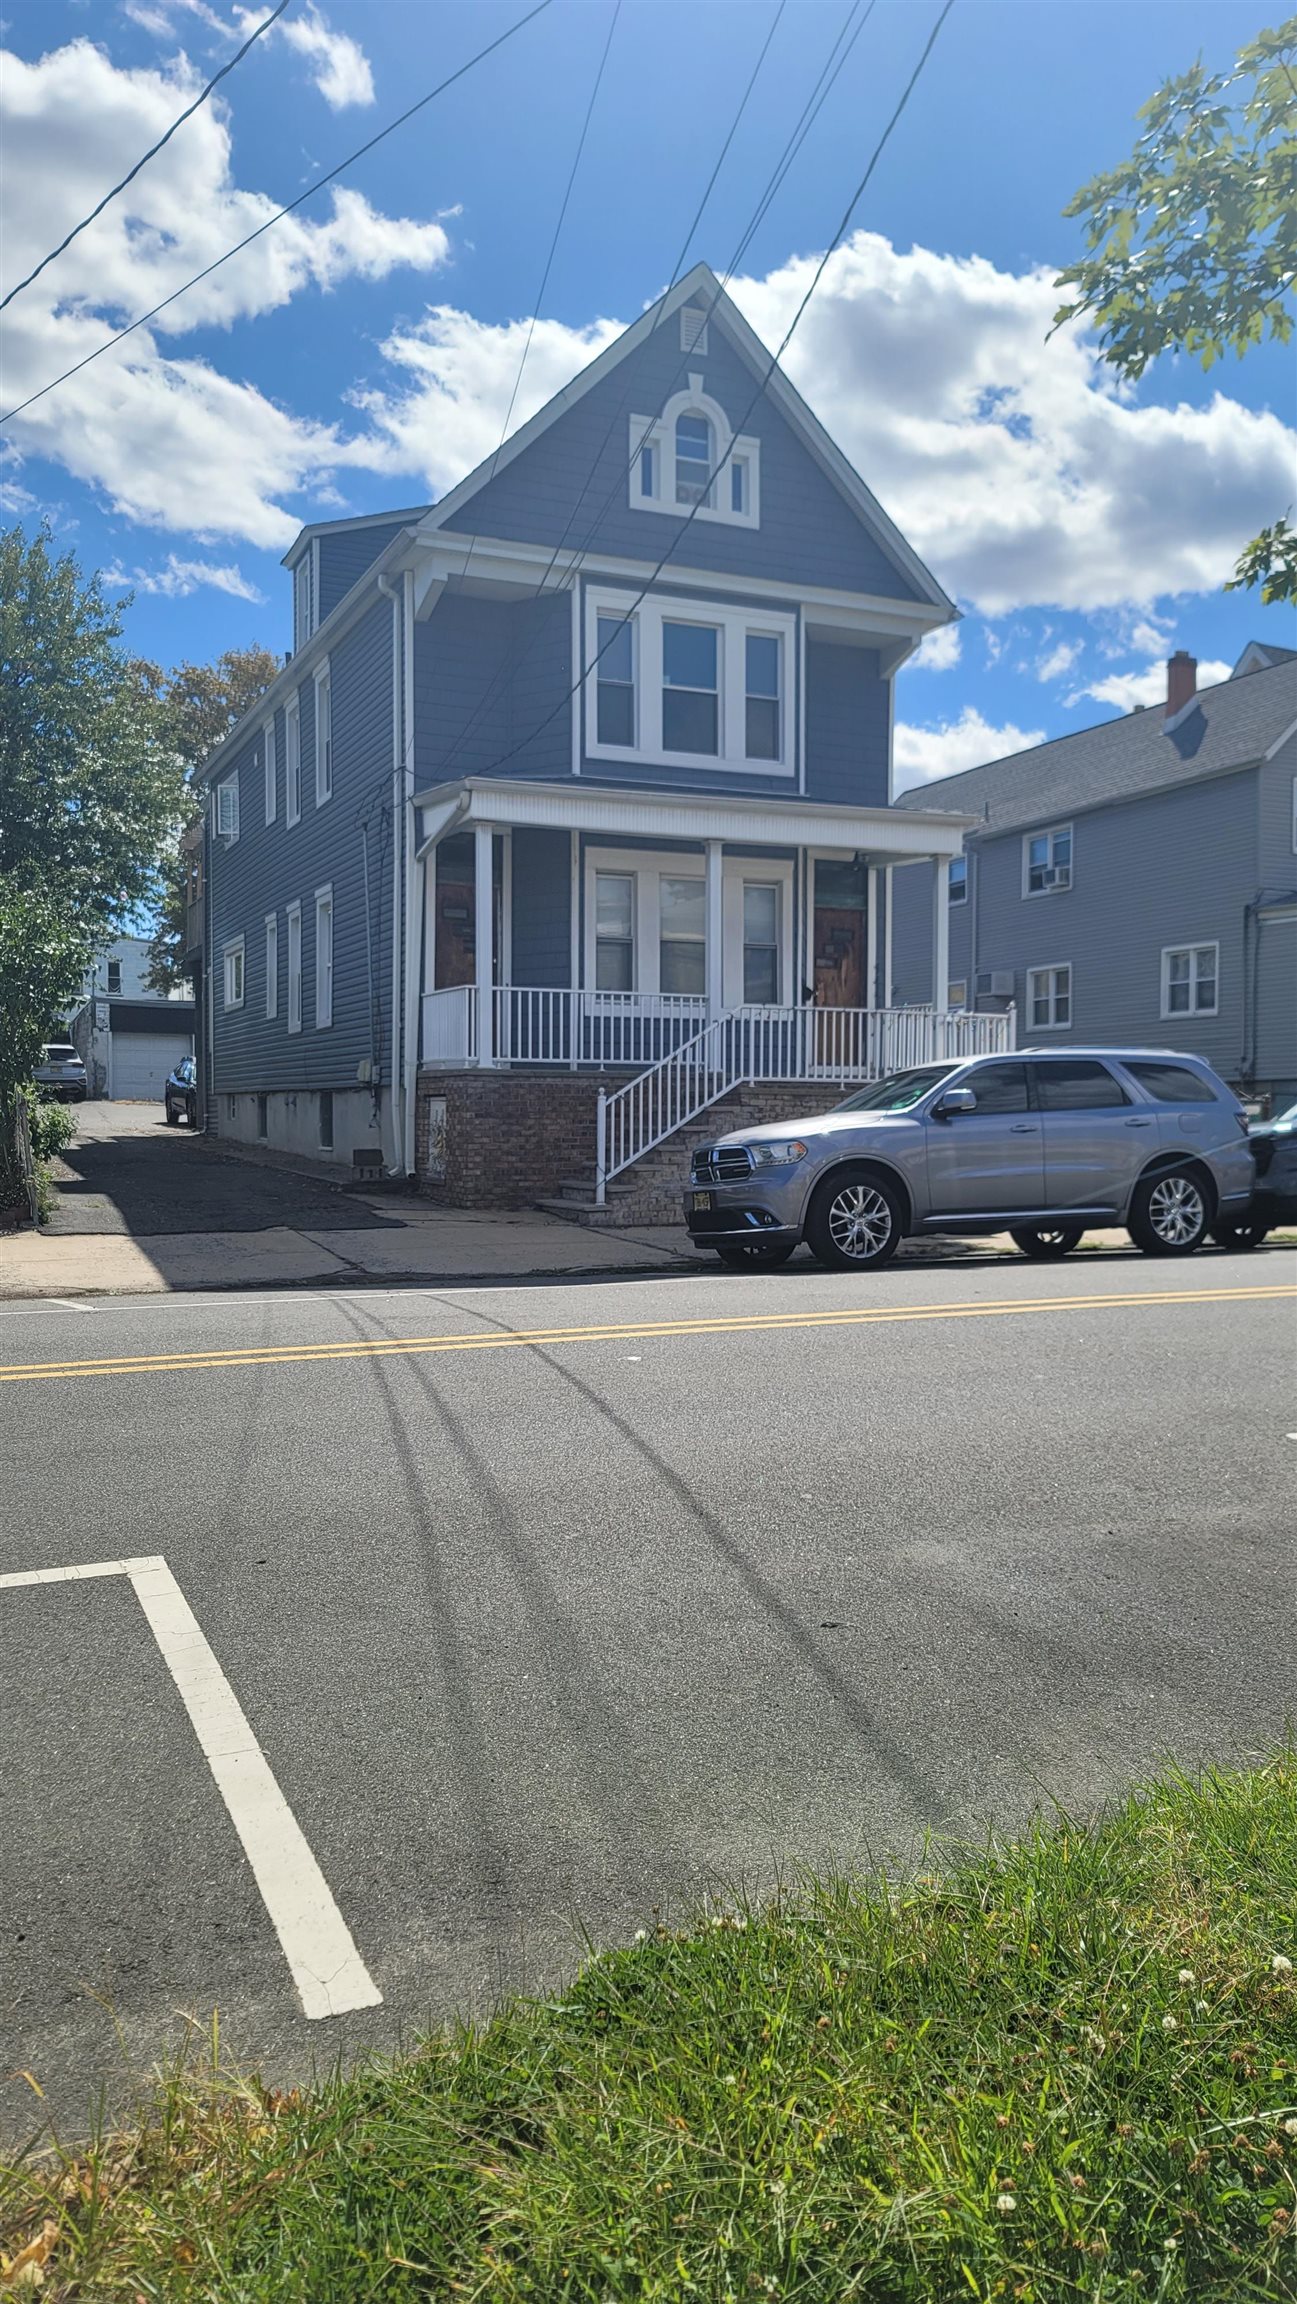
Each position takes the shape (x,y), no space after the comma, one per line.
(604,1332)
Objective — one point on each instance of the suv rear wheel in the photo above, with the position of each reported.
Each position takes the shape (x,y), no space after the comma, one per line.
(1169,1214)
(1045,1244)
(855,1222)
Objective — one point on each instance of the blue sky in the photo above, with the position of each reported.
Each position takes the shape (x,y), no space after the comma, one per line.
(363,355)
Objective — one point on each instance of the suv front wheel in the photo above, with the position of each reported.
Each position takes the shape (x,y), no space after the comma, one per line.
(855,1222)
(1169,1214)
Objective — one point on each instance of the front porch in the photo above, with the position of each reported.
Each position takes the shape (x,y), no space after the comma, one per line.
(668,948)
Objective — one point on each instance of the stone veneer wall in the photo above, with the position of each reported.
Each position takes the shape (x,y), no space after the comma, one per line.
(514,1137)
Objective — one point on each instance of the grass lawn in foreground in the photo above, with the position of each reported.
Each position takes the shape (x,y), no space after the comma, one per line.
(1066,2069)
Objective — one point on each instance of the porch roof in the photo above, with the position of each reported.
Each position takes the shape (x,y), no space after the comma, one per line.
(884,835)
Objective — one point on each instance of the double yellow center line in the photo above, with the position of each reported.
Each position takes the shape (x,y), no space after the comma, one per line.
(612,1332)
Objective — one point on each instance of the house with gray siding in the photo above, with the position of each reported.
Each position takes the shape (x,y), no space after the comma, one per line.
(568,816)
(1135,882)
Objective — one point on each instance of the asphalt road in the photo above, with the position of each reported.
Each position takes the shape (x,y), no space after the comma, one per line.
(127,1172)
(704,1579)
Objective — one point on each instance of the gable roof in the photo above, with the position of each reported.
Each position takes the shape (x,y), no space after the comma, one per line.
(1259,655)
(702,284)
(1229,726)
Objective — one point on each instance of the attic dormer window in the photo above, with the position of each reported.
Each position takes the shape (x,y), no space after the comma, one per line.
(693,460)
(687,461)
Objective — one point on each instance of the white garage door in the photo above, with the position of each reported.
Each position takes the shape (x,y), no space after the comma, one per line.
(142,1060)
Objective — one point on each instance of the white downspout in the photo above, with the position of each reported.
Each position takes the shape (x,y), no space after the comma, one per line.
(393,1145)
(415,875)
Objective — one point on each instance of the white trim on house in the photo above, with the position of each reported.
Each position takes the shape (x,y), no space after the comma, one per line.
(657,435)
(272,965)
(324,957)
(270,764)
(226,809)
(1054,884)
(647,868)
(733,627)
(1052,970)
(777,388)
(892,835)
(293,760)
(234,971)
(1212,976)
(323,679)
(294,916)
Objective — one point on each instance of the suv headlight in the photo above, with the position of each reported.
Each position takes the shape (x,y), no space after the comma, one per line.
(777,1155)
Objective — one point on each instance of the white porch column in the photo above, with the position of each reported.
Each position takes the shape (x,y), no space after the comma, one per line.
(871,938)
(484,938)
(941,937)
(888,877)
(715,922)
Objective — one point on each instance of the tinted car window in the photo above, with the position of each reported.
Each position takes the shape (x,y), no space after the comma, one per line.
(1077,1084)
(999,1088)
(1172,1083)
(899,1091)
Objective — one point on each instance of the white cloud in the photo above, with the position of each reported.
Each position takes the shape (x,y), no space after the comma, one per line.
(1146,686)
(922,753)
(178,578)
(169,442)
(1062,656)
(938,652)
(341,68)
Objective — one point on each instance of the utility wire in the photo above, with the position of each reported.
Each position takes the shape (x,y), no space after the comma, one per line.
(151,154)
(775,358)
(823,87)
(317,185)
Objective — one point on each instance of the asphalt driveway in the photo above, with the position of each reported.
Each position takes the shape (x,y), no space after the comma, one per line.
(127,1172)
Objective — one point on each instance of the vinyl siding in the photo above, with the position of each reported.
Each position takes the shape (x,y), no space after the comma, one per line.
(1276,853)
(273,865)
(572,484)
(848,706)
(1175,868)
(345,556)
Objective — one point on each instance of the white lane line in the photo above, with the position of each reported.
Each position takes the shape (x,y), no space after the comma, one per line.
(70,1304)
(330,1975)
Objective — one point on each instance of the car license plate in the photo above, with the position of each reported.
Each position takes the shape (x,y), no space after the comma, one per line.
(702,1202)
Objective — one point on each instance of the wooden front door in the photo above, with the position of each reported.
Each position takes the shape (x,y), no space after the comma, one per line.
(839,957)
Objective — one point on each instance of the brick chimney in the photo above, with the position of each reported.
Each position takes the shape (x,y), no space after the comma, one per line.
(1181,681)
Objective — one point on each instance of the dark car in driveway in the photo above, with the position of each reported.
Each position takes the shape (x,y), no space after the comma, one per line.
(1274,1151)
(180,1095)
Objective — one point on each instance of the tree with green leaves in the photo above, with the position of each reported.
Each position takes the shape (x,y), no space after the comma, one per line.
(198,704)
(1191,244)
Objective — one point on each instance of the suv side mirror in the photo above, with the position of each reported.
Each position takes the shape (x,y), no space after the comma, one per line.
(956,1100)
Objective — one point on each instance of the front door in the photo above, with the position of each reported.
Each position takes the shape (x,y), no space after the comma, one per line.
(839,957)
(1097,1138)
(990,1161)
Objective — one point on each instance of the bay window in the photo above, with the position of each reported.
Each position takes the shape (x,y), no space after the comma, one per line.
(666,681)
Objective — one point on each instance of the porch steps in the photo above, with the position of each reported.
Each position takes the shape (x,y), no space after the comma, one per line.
(650,1190)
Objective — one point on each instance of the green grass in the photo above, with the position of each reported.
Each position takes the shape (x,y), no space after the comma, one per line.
(1064,2069)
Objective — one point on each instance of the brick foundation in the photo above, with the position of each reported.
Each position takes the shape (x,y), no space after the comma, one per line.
(512,1138)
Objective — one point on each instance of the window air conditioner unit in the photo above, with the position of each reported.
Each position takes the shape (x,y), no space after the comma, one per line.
(995,983)
(1049,877)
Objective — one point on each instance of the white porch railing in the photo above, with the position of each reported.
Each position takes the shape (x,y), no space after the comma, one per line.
(826,1044)
(449,1033)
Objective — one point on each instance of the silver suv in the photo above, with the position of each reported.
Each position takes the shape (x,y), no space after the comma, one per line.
(1038,1144)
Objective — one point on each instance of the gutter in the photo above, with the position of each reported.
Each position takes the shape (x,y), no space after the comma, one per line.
(412,1016)
(393,1146)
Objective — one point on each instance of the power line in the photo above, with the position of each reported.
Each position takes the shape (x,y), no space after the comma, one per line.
(316,186)
(151,154)
(775,358)
(822,89)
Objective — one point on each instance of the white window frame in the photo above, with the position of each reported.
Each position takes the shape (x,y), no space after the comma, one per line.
(647,867)
(272,965)
(659,434)
(962,897)
(1053,833)
(227,818)
(232,954)
(1051,969)
(293,760)
(271,765)
(306,594)
(732,626)
(323,734)
(1172,951)
(324,958)
(295,967)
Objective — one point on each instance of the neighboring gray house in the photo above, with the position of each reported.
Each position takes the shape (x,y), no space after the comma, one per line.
(569,813)
(128,1035)
(1135,882)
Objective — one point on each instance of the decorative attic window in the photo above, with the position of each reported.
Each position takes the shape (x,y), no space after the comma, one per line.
(693,328)
(688,462)
(304,598)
